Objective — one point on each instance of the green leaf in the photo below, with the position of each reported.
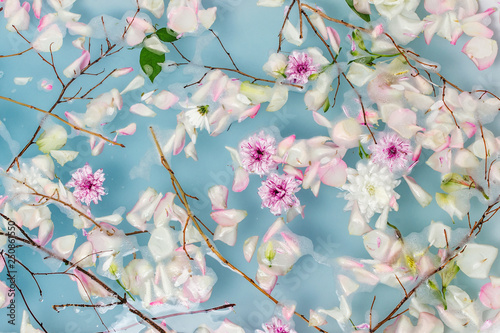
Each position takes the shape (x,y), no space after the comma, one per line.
(365,17)
(358,39)
(326,106)
(270,252)
(448,274)
(166,35)
(150,63)
(362,151)
(432,285)
(364,60)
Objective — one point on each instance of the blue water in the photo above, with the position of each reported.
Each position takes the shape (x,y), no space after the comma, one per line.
(250,34)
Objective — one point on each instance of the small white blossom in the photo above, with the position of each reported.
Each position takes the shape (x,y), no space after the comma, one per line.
(372,186)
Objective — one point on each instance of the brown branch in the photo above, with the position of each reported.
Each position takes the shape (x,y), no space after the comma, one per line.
(60,97)
(301,35)
(89,274)
(229,70)
(220,42)
(12,279)
(344,75)
(137,232)
(131,21)
(487,215)
(446,105)
(183,198)
(371,310)
(16,54)
(404,289)
(55,199)
(489,172)
(77,128)
(57,306)
(221,307)
(280,38)
(485,152)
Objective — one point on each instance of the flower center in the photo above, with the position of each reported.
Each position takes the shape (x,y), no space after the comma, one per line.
(392,151)
(87,183)
(302,68)
(370,189)
(203,109)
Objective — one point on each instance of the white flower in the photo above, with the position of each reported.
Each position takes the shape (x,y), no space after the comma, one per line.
(372,186)
(198,117)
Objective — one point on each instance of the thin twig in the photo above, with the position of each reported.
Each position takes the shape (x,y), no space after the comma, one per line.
(280,38)
(229,55)
(75,127)
(16,54)
(12,279)
(183,198)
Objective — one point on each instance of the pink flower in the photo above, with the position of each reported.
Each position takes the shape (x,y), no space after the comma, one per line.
(88,185)
(278,193)
(300,67)
(391,151)
(276,326)
(257,153)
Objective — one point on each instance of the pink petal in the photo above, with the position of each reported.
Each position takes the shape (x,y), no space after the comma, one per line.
(182,19)
(164,100)
(78,65)
(250,112)
(438,7)
(45,232)
(334,173)
(37,8)
(121,71)
(218,196)
(129,130)
(334,38)
(97,150)
(482,51)
(469,129)
(46,20)
(266,281)
(490,296)
(228,217)
(273,229)
(241,180)
(404,122)
(179,138)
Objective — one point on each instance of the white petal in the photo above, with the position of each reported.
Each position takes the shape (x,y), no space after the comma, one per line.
(161,243)
(50,39)
(45,164)
(63,246)
(136,83)
(142,110)
(226,234)
(476,260)
(63,156)
(291,34)
(249,247)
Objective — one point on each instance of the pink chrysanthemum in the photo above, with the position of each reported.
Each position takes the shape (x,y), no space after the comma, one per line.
(257,153)
(276,326)
(300,67)
(88,185)
(278,193)
(391,151)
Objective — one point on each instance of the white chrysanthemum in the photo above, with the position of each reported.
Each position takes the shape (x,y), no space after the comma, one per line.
(198,117)
(372,186)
